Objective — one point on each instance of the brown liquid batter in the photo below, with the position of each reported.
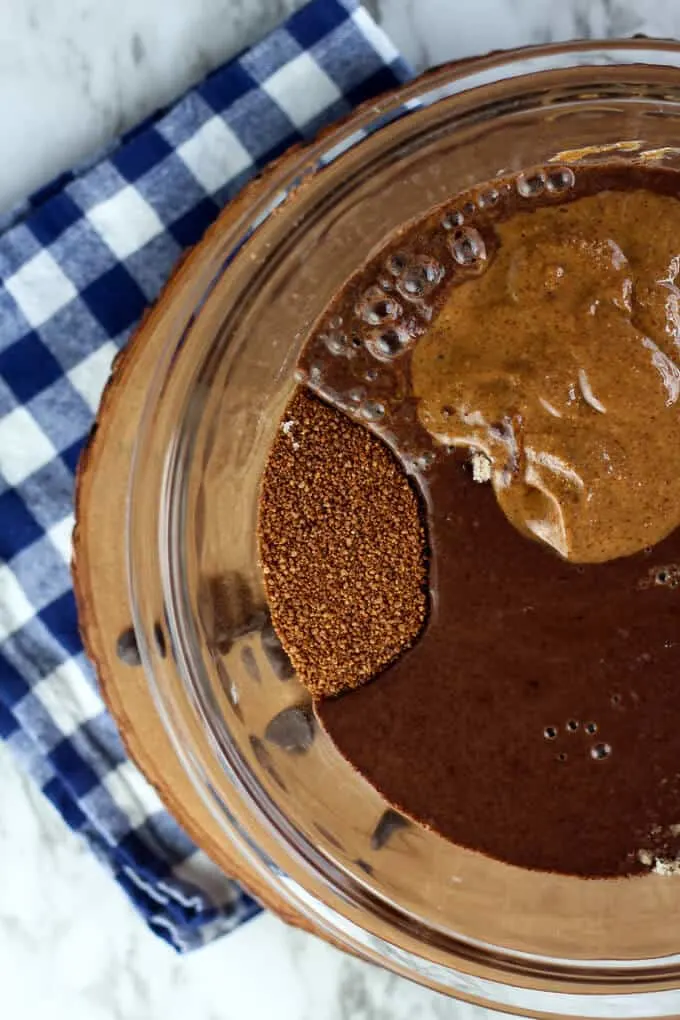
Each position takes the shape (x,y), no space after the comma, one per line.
(536,718)
(471,731)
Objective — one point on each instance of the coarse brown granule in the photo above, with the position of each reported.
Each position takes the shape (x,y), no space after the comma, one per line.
(342,548)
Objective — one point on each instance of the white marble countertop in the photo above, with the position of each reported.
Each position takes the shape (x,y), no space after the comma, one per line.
(76,73)
(73,74)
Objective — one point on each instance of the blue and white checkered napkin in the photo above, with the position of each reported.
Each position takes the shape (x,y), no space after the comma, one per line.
(78,264)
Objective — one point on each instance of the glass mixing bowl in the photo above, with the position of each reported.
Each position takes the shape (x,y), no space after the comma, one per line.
(239,310)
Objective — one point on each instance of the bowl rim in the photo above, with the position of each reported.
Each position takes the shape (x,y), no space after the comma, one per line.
(254,201)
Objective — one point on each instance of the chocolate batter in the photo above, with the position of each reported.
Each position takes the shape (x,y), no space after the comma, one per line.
(535,718)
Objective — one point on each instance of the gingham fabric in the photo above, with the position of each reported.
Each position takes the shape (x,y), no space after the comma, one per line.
(78,264)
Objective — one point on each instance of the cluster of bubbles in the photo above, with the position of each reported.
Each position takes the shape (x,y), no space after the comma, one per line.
(388,337)
(388,307)
(598,751)
(407,281)
(370,410)
(335,339)
(388,327)
(414,278)
(419,277)
(393,311)
(666,576)
(554,180)
(337,343)
(466,244)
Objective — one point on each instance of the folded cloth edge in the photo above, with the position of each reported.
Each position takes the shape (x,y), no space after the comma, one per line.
(148,891)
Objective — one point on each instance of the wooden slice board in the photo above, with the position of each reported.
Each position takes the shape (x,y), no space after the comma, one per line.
(101,588)
(99,556)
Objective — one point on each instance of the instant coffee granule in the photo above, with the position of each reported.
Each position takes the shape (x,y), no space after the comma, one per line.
(342,548)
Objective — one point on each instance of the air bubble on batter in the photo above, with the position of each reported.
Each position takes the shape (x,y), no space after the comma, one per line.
(389,343)
(452,220)
(560,180)
(467,247)
(337,344)
(419,277)
(487,199)
(531,184)
(372,410)
(375,308)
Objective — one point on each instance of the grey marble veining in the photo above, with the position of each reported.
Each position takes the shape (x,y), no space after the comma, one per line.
(76,73)
(63,958)
(432,31)
(73,74)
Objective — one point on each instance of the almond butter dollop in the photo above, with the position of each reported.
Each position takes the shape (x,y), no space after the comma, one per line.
(560,361)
